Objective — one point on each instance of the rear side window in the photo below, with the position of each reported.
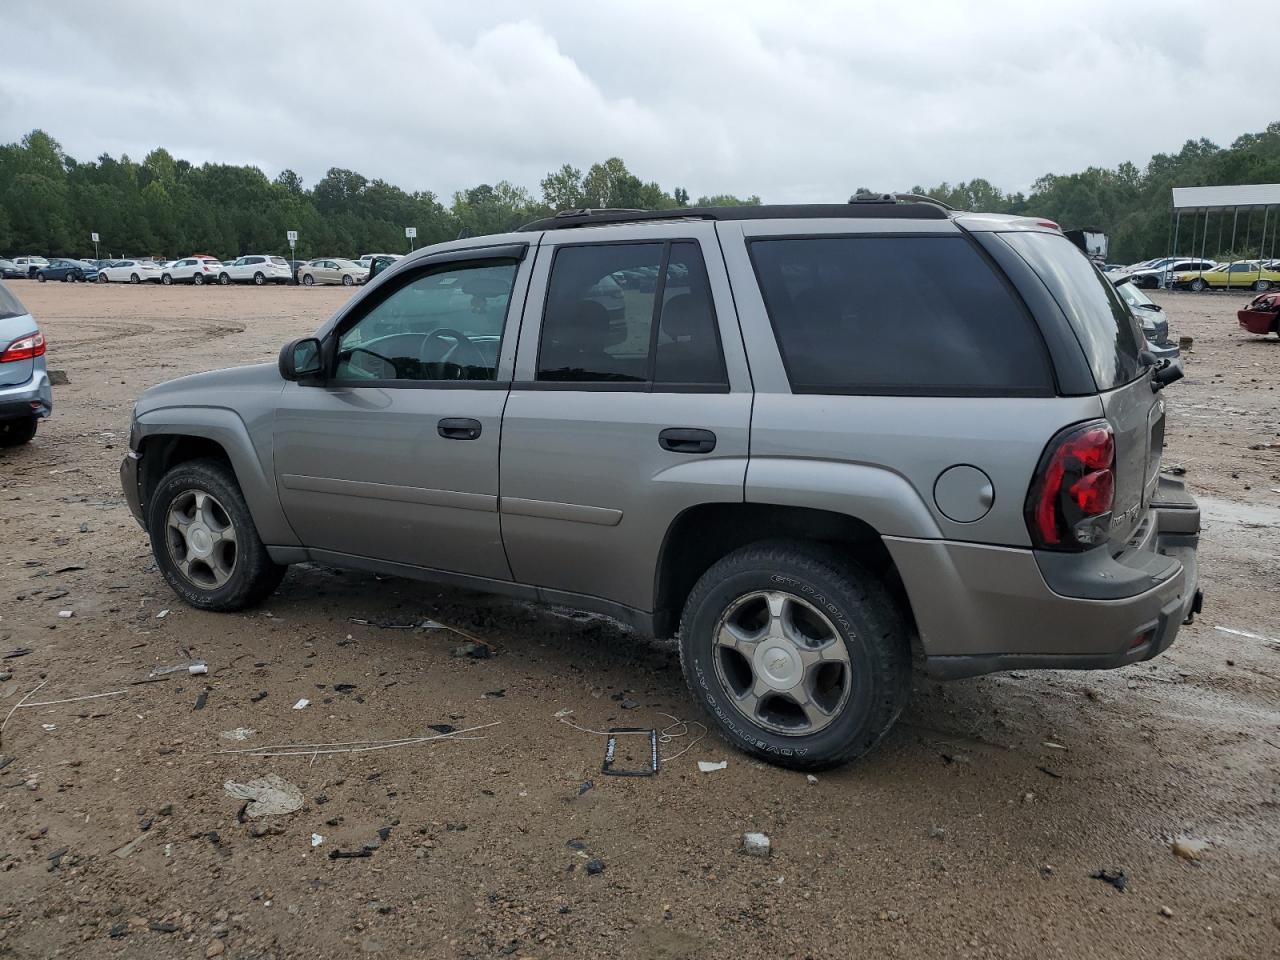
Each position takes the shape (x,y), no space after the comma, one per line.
(1107,331)
(901,315)
(637,313)
(9,305)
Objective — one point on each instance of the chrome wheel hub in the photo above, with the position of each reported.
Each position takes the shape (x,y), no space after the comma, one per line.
(201,539)
(783,662)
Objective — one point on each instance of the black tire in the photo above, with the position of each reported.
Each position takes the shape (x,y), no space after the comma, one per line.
(166,280)
(197,279)
(134,278)
(224,279)
(347,281)
(865,620)
(102,278)
(41,277)
(259,279)
(1197,285)
(308,280)
(14,433)
(253,574)
(1262,286)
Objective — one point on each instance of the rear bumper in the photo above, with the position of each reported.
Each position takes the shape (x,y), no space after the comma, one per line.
(1258,321)
(32,398)
(981,609)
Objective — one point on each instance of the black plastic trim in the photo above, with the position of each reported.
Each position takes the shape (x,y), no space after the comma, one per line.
(870,210)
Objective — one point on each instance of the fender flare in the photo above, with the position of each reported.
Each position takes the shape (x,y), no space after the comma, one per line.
(252,463)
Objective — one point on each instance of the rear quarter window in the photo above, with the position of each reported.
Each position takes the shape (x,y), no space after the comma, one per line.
(902,315)
(1107,331)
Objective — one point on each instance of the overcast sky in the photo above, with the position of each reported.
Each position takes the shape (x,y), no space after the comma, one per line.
(796,101)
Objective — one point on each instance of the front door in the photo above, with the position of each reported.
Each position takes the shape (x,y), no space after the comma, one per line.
(632,403)
(394,456)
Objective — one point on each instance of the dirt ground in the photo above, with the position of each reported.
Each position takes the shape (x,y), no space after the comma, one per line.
(972,831)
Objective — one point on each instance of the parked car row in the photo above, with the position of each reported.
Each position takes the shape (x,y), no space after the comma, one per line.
(1197,273)
(199,269)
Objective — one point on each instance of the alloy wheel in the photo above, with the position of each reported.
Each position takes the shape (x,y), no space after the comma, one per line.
(783,662)
(201,539)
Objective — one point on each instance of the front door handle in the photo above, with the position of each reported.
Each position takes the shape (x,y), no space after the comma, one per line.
(459,428)
(687,440)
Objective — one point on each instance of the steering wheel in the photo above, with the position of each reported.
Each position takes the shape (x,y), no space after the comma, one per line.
(448,333)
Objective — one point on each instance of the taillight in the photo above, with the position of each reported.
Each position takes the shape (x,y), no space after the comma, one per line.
(28,348)
(1069,504)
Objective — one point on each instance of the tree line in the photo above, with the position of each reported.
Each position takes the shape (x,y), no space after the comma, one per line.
(51,202)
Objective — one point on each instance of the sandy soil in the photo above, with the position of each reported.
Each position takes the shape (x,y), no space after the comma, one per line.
(964,835)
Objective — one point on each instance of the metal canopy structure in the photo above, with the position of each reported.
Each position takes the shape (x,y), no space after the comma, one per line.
(1222,200)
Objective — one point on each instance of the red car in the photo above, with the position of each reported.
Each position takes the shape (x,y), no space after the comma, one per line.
(1262,315)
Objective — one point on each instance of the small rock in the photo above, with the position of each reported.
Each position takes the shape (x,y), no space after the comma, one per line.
(811,779)
(1116,878)
(1028,797)
(1187,849)
(1166,912)
(938,833)
(1050,745)
(595,867)
(756,845)
(215,949)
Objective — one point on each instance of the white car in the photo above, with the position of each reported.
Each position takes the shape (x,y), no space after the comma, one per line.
(29,265)
(197,270)
(257,269)
(366,261)
(130,271)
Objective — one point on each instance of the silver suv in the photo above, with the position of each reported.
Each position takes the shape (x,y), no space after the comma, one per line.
(806,440)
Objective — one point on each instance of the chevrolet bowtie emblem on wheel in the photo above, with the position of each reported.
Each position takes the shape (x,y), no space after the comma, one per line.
(779,664)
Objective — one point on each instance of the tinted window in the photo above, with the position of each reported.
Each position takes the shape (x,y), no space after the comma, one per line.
(442,325)
(1107,331)
(9,305)
(902,315)
(613,314)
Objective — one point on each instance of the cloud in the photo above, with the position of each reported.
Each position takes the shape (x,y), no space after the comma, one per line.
(796,102)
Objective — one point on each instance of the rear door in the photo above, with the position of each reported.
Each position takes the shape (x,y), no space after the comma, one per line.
(632,403)
(1112,342)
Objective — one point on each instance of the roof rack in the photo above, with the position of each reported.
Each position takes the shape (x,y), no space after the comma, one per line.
(885,206)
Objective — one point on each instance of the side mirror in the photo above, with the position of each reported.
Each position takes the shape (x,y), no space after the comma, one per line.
(300,359)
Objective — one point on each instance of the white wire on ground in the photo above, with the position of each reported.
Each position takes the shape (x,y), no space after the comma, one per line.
(351,746)
(664,735)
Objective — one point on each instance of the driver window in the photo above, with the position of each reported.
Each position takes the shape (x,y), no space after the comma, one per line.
(442,325)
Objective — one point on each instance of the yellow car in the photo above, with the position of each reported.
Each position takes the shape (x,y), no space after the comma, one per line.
(1240,275)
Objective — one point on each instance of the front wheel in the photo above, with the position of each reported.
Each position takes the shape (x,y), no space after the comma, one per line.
(14,433)
(204,540)
(799,656)
(102,278)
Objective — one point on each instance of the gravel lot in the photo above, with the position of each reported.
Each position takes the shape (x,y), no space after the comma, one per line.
(972,831)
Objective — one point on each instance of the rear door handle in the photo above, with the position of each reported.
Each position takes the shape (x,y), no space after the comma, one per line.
(459,428)
(687,440)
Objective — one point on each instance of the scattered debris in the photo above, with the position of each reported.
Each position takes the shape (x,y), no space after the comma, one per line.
(475,651)
(756,845)
(162,614)
(495,694)
(66,614)
(18,652)
(194,668)
(353,746)
(1188,849)
(1050,745)
(58,378)
(350,854)
(239,733)
(1047,772)
(811,779)
(707,766)
(258,697)
(1116,878)
(268,796)
(442,727)
(302,704)
(611,752)
(201,700)
(316,840)
(595,867)
(1166,912)
(130,847)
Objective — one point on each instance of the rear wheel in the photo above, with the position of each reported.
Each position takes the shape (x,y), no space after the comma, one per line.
(224,279)
(1262,285)
(347,281)
(41,277)
(134,278)
(14,433)
(204,540)
(259,279)
(166,280)
(308,280)
(797,654)
(197,279)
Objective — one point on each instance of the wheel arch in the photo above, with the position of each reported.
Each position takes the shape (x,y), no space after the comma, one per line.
(171,436)
(702,534)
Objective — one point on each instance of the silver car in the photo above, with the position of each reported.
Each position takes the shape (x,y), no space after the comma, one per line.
(821,438)
(25,394)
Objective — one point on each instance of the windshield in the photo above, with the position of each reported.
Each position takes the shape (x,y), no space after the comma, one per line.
(9,304)
(1133,296)
(1103,324)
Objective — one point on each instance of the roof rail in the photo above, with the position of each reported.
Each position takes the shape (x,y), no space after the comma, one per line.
(881,206)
